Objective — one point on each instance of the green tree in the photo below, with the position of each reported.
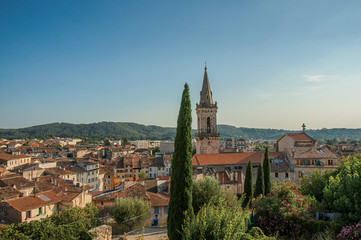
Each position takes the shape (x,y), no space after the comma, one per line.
(342,192)
(218,220)
(259,182)
(315,183)
(180,202)
(74,214)
(125,141)
(130,213)
(143,175)
(267,173)
(56,226)
(203,191)
(248,183)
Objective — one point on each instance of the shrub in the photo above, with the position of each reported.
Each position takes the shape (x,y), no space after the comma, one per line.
(342,192)
(72,223)
(203,190)
(217,220)
(315,183)
(130,213)
(350,232)
(283,211)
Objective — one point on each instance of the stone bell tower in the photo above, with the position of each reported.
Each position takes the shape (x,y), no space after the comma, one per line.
(207,138)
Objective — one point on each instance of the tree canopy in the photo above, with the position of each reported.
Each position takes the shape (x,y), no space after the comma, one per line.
(180,204)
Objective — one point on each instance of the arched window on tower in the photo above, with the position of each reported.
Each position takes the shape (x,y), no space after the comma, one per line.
(208,124)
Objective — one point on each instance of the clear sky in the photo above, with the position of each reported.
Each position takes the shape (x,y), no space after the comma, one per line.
(271,64)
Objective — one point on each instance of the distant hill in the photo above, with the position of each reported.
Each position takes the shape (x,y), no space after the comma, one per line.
(118,130)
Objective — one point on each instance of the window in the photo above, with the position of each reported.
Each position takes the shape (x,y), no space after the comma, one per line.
(330,162)
(156,210)
(166,209)
(286,174)
(28,214)
(40,210)
(208,124)
(108,182)
(276,174)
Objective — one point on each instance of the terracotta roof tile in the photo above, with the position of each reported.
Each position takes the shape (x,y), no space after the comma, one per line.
(18,181)
(310,152)
(299,136)
(158,200)
(230,158)
(136,190)
(7,157)
(9,192)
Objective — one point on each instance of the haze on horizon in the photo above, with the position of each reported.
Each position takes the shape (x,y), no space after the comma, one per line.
(271,64)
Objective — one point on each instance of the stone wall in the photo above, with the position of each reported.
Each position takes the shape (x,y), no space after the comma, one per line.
(285,142)
(104,232)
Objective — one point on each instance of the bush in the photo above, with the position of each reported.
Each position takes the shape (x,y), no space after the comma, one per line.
(342,192)
(203,190)
(350,232)
(283,211)
(130,213)
(72,223)
(217,220)
(207,188)
(315,183)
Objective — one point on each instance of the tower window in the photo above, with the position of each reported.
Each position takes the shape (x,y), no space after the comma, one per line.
(208,124)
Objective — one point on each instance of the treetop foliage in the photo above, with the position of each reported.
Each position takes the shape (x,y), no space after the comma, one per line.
(181,180)
(73,224)
(133,131)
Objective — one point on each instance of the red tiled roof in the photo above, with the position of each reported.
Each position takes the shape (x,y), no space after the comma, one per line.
(7,157)
(158,200)
(136,190)
(230,158)
(25,203)
(299,136)
(9,192)
(164,177)
(34,201)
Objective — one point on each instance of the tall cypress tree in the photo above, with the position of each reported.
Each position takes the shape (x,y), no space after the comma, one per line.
(267,173)
(259,182)
(181,179)
(248,183)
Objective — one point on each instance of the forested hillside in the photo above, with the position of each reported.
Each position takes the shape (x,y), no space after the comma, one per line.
(118,130)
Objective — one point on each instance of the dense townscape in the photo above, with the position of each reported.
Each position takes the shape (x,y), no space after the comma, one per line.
(40,179)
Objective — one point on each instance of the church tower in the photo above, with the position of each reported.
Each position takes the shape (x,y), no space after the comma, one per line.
(207,138)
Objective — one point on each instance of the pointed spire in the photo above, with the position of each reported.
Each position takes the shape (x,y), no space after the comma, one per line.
(206,94)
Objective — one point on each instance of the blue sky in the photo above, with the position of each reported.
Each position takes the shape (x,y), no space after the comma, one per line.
(271,64)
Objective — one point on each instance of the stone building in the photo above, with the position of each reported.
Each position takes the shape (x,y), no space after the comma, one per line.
(207,138)
(290,140)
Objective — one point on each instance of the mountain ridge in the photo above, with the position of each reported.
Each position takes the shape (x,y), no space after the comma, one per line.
(131,130)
